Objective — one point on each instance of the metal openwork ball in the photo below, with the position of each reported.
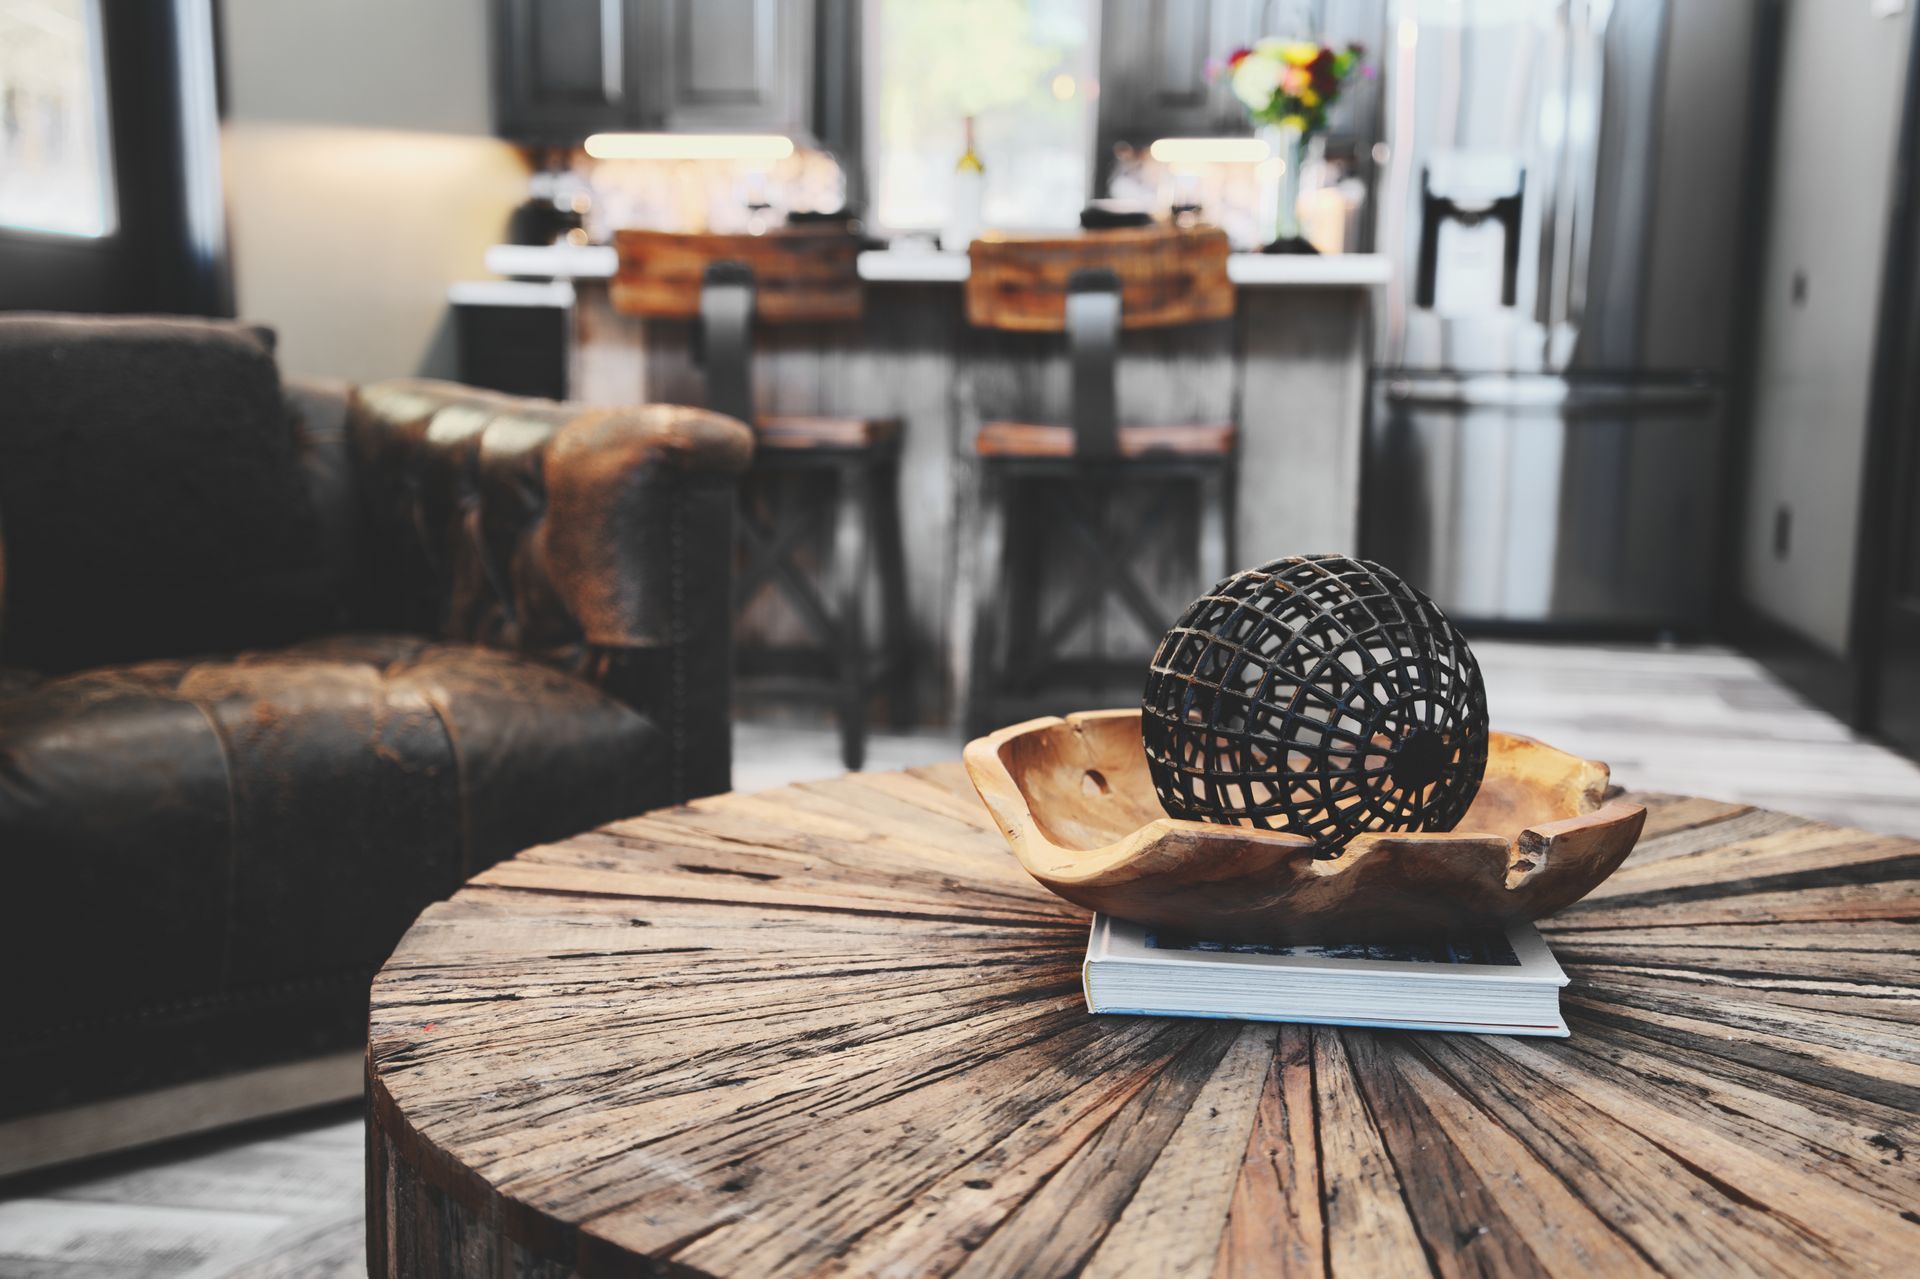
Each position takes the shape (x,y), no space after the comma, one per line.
(1319,695)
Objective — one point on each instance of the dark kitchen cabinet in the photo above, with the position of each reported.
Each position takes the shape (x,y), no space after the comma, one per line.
(565,68)
(1154,80)
(568,68)
(735,64)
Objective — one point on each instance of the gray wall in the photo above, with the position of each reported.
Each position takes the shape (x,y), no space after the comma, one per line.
(360,175)
(1837,122)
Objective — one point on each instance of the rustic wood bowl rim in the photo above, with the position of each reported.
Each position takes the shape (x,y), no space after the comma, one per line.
(1056,865)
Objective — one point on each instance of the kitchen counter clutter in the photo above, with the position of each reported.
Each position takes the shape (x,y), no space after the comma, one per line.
(1289,368)
(930,266)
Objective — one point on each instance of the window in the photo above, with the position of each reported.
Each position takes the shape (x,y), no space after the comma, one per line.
(55,170)
(1023,69)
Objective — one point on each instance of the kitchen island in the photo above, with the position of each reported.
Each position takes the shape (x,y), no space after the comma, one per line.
(1290,368)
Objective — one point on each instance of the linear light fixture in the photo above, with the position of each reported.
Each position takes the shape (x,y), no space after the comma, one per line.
(1209,150)
(689,146)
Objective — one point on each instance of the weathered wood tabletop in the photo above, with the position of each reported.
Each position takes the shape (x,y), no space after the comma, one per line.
(834,1028)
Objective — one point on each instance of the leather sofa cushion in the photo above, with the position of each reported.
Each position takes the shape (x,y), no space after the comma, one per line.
(183,830)
(152,496)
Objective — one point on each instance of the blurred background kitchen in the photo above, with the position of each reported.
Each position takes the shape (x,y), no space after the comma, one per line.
(1596,319)
(1597,323)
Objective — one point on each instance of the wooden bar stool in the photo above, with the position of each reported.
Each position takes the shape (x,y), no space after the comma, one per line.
(1046,495)
(726,285)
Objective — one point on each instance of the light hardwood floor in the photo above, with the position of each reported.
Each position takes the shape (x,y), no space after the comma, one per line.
(287,1200)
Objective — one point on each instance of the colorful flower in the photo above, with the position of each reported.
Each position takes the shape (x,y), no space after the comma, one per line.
(1290,82)
(1255,80)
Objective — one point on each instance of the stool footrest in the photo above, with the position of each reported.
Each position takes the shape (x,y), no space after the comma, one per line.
(1033,439)
(787,431)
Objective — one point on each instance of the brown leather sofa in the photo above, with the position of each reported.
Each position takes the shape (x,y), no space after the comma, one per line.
(281,665)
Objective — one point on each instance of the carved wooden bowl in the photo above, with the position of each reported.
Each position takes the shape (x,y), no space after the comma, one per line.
(1074,799)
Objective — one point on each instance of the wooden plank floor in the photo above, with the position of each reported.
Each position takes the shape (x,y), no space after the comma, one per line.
(1700,721)
(287,1200)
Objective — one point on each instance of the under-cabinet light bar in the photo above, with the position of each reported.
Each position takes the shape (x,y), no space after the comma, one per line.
(689,146)
(1209,150)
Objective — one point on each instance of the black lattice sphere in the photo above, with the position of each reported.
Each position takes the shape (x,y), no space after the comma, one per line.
(1319,695)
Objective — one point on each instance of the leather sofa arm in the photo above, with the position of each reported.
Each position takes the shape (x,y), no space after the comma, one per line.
(319,408)
(600,539)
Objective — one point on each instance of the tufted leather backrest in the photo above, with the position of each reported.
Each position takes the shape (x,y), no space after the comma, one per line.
(151,498)
(596,539)
(520,523)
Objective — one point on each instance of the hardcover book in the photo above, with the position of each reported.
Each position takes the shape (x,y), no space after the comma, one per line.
(1503,982)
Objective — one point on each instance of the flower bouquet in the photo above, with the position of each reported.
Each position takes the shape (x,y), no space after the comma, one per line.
(1291,83)
(1287,87)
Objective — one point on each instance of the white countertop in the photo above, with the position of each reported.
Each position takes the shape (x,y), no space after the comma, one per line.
(1305,270)
(1253,270)
(924,266)
(913,266)
(511,293)
(556,261)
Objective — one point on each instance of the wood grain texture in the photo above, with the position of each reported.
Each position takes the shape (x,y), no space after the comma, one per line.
(1032,439)
(1168,276)
(799,432)
(800,275)
(1074,799)
(834,1029)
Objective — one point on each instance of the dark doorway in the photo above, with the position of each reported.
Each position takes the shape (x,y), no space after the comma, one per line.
(1886,619)
(1897,696)
(159,244)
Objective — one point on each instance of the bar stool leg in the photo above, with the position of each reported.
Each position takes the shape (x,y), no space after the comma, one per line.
(1230,518)
(1027,529)
(1099,490)
(1216,518)
(978,600)
(850,542)
(896,628)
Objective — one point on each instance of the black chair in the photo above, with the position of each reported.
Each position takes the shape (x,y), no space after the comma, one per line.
(726,285)
(1038,486)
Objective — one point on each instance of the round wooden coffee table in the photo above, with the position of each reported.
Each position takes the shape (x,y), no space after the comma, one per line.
(834,1028)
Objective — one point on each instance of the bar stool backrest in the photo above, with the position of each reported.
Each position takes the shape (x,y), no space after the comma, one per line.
(1091,286)
(801,275)
(727,283)
(1167,276)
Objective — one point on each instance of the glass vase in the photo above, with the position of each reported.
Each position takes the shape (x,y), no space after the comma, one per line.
(1280,188)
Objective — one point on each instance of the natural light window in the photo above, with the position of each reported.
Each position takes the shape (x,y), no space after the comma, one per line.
(54,168)
(1024,69)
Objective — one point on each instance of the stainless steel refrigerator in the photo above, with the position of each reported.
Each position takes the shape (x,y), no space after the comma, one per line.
(1563,189)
